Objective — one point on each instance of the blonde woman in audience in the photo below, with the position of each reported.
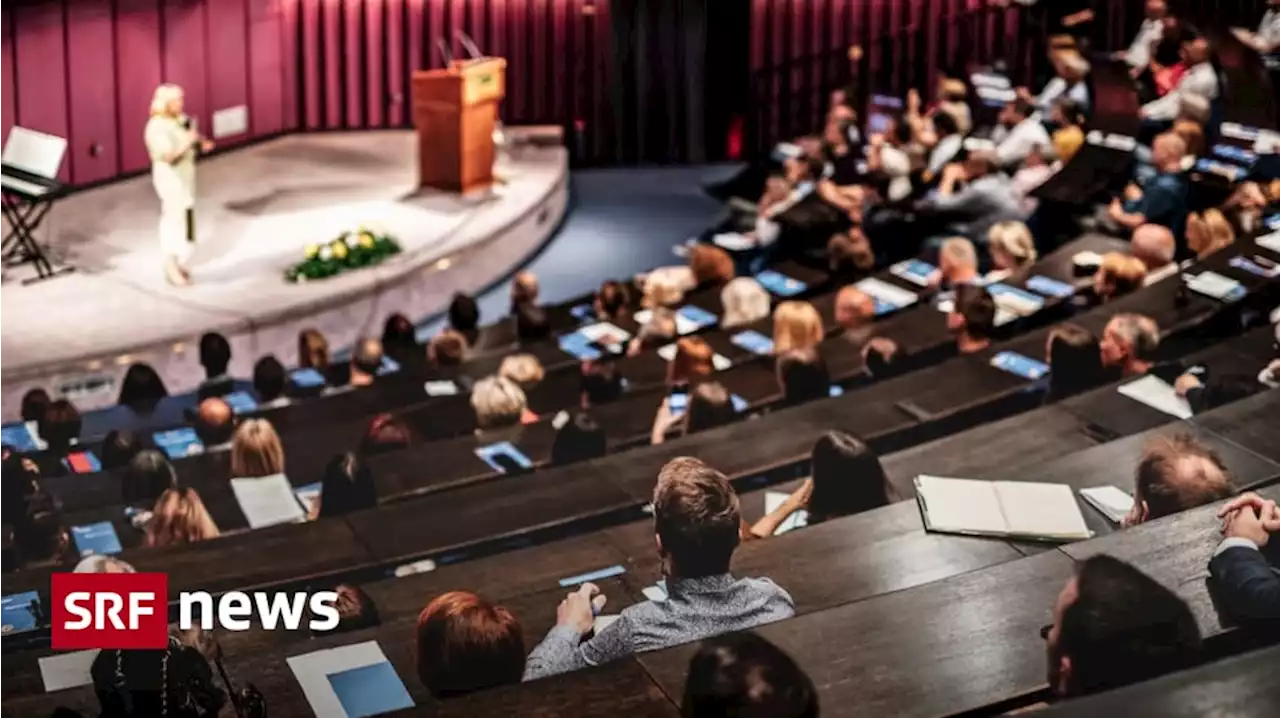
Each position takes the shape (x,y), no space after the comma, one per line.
(1117,275)
(498,402)
(1012,248)
(796,325)
(1208,231)
(1247,202)
(180,518)
(523,369)
(313,350)
(744,302)
(665,287)
(256,450)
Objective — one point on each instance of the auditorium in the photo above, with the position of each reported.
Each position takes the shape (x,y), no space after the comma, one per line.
(654,358)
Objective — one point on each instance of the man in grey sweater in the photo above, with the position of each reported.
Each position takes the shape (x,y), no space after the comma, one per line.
(696,518)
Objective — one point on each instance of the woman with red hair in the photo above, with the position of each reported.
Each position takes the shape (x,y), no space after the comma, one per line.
(466,644)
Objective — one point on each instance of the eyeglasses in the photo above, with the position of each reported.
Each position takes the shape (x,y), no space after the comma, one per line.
(1045,630)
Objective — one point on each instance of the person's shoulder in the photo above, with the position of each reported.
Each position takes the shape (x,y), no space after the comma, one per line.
(766,587)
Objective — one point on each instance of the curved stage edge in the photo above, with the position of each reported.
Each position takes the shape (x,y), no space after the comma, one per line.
(259,207)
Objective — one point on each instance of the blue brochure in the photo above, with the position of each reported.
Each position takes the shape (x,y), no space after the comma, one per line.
(504,457)
(241,402)
(579,347)
(915,271)
(19,436)
(583,312)
(739,404)
(754,342)
(1020,365)
(370,690)
(99,538)
(677,403)
(1258,265)
(388,366)
(177,443)
(17,612)
(592,576)
(1023,301)
(836,390)
(780,284)
(307,378)
(698,317)
(1238,155)
(1050,287)
(82,462)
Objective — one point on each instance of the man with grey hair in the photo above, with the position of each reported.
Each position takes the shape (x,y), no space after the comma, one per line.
(1129,343)
(98,563)
(957,264)
(1155,246)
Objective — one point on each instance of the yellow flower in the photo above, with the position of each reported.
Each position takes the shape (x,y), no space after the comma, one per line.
(366,240)
(339,250)
(311,251)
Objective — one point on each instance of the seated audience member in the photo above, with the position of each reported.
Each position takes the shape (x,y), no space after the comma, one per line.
(602,383)
(399,340)
(744,302)
(613,301)
(846,479)
(1075,363)
(499,403)
(180,517)
(465,644)
(957,264)
(1035,171)
(972,318)
(1208,231)
(1117,275)
(1068,134)
(890,159)
(944,139)
(849,255)
(313,350)
(1070,71)
(838,183)
(141,389)
(176,681)
(882,357)
(802,376)
(1113,625)
(269,382)
(464,317)
(532,324)
(744,676)
(256,450)
(985,199)
(696,519)
(215,356)
(347,486)
(665,287)
(34,403)
(1266,40)
(796,325)
(855,312)
(1245,582)
(1162,198)
(386,433)
(709,406)
(693,362)
(712,267)
(214,423)
(21,482)
(659,331)
(98,563)
(366,359)
(1154,245)
(578,438)
(1129,343)
(524,290)
(1249,202)
(1138,54)
(1175,474)
(149,475)
(118,449)
(1192,135)
(59,427)
(523,369)
(1018,132)
(356,609)
(447,349)
(1200,78)
(40,536)
(1012,249)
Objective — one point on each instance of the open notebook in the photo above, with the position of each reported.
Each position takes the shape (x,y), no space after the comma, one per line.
(1017,509)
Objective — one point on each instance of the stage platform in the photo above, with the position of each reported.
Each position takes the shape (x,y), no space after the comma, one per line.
(258,208)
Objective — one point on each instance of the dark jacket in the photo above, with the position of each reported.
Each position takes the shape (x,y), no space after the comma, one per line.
(1246,584)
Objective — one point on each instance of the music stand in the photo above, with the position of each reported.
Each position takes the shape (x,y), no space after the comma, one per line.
(29,186)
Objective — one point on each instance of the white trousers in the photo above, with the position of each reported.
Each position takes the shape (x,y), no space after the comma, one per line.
(175,186)
(173,233)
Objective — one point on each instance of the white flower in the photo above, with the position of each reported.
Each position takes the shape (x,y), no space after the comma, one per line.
(353,239)
(325,253)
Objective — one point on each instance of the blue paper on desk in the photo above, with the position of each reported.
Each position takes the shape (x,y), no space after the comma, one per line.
(835,390)
(1050,287)
(780,284)
(915,271)
(592,576)
(19,437)
(370,690)
(1020,365)
(754,342)
(241,402)
(306,378)
(177,443)
(698,317)
(583,312)
(504,457)
(99,538)
(16,612)
(1238,155)
(579,347)
(1020,301)
(388,366)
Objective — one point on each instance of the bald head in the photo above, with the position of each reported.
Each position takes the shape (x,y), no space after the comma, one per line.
(958,260)
(524,289)
(854,308)
(214,421)
(1167,152)
(1154,245)
(1179,473)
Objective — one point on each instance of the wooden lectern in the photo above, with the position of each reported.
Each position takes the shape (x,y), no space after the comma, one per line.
(455,110)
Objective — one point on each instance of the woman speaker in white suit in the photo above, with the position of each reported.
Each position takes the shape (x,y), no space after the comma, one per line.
(172,142)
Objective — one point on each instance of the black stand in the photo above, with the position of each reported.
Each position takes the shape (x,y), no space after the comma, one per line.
(20,244)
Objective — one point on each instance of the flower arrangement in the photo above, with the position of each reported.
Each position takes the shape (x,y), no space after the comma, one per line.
(362,247)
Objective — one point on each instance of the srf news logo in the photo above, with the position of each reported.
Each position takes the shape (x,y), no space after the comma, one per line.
(131,610)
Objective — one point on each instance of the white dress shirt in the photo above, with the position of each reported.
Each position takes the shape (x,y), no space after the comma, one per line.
(1269,30)
(1057,87)
(1200,80)
(1018,142)
(945,151)
(1139,52)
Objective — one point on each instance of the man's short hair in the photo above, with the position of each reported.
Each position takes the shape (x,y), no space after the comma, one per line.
(215,353)
(742,675)
(464,313)
(1140,332)
(448,348)
(960,251)
(978,308)
(367,356)
(601,382)
(1179,473)
(524,288)
(269,378)
(1123,627)
(696,514)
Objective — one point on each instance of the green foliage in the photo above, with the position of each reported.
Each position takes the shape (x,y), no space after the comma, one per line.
(350,250)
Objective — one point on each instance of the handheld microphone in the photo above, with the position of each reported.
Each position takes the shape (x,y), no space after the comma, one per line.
(185,121)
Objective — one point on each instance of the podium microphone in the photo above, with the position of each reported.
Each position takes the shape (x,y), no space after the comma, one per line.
(468,44)
(444,51)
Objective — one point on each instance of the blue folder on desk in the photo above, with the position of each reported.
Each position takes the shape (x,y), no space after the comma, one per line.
(370,690)
(388,366)
(698,317)
(504,457)
(306,378)
(1050,287)
(1020,365)
(19,436)
(241,402)
(16,612)
(780,284)
(579,347)
(99,538)
(177,443)
(754,342)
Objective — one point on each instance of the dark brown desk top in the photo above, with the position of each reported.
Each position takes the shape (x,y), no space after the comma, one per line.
(1250,423)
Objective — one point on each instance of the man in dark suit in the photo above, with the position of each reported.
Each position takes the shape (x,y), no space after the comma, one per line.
(1245,579)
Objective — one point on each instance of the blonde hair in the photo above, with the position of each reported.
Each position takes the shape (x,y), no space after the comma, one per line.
(1119,274)
(796,325)
(313,349)
(256,450)
(1014,240)
(165,93)
(180,517)
(744,301)
(665,287)
(523,369)
(498,402)
(1208,232)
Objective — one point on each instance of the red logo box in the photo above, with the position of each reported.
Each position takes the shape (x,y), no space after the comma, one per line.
(109,610)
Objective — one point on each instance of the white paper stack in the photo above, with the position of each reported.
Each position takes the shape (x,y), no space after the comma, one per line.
(267,501)
(1109,501)
(1157,394)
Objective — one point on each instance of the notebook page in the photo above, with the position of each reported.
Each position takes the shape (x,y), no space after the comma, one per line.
(960,505)
(267,501)
(1046,510)
(1157,394)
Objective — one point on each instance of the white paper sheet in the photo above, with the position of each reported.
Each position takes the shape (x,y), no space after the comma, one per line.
(887,293)
(1037,509)
(1270,241)
(1213,284)
(440,388)
(657,592)
(603,622)
(1157,394)
(267,501)
(600,332)
(1110,501)
(720,362)
(1086,259)
(313,670)
(733,241)
(667,352)
(643,316)
(961,504)
(67,670)
(797,519)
